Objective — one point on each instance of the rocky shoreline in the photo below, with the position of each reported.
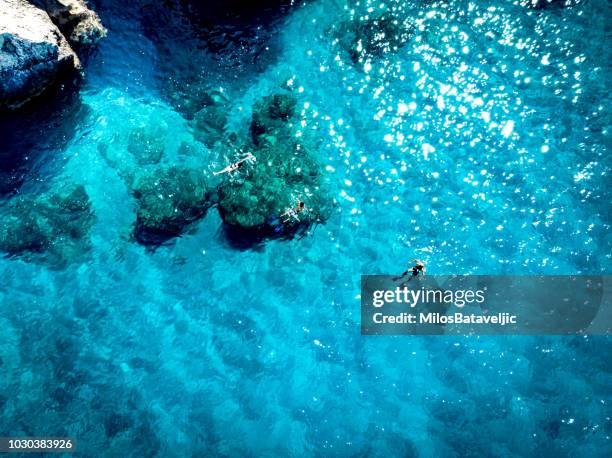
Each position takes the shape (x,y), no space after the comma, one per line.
(39,45)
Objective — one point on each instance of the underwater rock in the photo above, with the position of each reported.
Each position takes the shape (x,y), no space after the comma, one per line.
(541,4)
(77,22)
(261,200)
(147,144)
(372,38)
(52,225)
(285,174)
(271,114)
(192,149)
(117,423)
(169,200)
(209,122)
(33,53)
(189,98)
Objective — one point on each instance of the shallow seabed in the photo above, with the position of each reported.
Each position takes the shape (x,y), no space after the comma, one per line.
(480,145)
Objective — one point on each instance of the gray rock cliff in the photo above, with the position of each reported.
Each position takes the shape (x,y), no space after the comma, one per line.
(34,53)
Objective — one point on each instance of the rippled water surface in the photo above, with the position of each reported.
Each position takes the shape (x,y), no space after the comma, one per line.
(473,135)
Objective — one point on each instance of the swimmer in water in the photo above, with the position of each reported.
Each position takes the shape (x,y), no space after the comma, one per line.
(292,213)
(236,165)
(414,271)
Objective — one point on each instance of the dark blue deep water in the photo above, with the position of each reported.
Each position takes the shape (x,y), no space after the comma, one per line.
(480,144)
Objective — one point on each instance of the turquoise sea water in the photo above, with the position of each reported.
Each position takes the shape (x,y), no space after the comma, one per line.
(480,145)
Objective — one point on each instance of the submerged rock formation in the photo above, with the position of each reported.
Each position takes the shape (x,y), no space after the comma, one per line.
(147,143)
(169,200)
(263,199)
(209,122)
(51,227)
(33,53)
(270,116)
(371,38)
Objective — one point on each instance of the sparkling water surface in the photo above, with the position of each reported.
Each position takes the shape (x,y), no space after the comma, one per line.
(480,144)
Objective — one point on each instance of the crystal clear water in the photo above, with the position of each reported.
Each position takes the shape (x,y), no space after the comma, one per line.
(480,145)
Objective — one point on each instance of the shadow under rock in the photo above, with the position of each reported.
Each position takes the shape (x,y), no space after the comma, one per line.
(256,238)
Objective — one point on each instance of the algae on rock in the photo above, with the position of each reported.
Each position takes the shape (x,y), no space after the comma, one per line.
(255,201)
(52,227)
(169,200)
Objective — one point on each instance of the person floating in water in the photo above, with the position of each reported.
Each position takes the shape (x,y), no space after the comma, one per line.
(236,165)
(414,271)
(292,213)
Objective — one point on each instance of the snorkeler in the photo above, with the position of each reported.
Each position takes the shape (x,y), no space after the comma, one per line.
(236,165)
(414,271)
(292,213)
